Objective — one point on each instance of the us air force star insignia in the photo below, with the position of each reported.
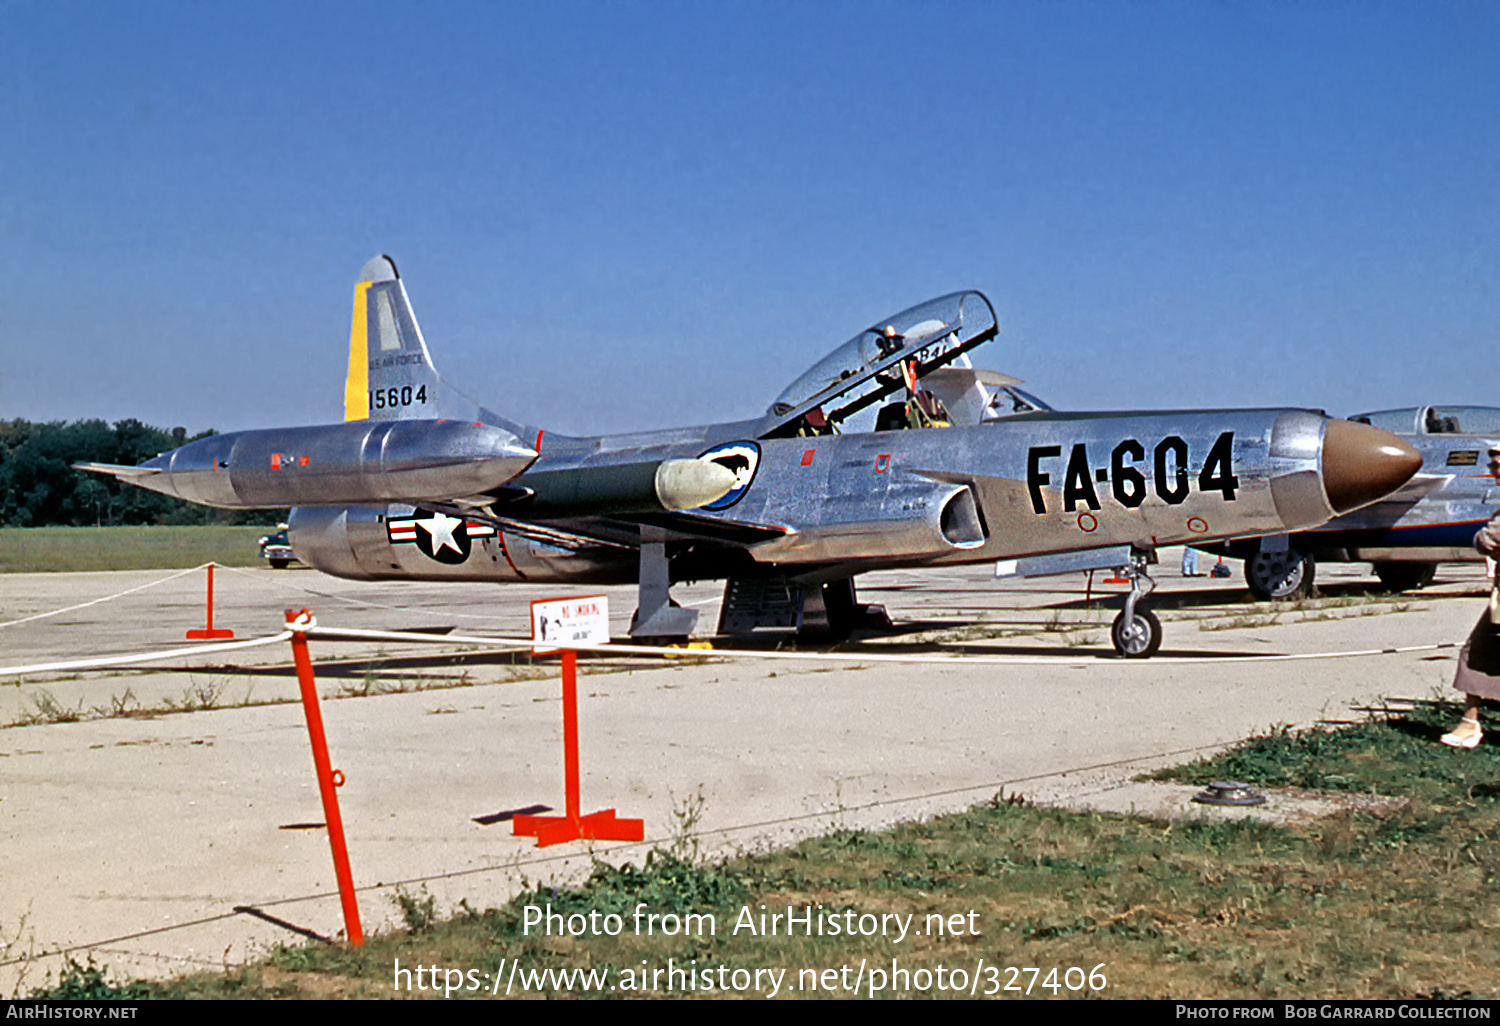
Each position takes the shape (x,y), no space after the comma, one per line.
(437,535)
(439,528)
(444,538)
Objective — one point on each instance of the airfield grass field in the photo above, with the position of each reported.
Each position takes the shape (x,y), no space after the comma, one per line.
(69,549)
(1386,898)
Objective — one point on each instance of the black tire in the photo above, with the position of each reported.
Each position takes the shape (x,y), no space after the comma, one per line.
(1140,643)
(279,564)
(1280,576)
(1405,576)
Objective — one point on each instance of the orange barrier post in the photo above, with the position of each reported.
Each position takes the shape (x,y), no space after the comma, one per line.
(328,778)
(572,804)
(209,632)
(573,826)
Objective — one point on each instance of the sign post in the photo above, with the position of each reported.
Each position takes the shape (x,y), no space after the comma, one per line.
(583,620)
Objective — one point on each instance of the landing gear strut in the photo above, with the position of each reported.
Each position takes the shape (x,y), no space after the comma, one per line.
(657,618)
(1136,632)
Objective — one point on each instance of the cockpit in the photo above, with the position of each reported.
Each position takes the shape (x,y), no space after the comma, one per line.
(911,370)
(1435,420)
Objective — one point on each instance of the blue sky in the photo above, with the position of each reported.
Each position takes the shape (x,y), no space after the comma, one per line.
(618,216)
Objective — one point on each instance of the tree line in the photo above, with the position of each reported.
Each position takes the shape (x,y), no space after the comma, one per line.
(40,488)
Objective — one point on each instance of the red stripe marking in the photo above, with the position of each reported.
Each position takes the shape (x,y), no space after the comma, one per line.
(500,537)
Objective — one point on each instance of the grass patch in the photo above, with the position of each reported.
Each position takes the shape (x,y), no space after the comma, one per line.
(1397,902)
(87,982)
(1309,611)
(70,549)
(1394,755)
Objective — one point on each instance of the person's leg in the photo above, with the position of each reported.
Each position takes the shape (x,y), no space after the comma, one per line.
(1467,734)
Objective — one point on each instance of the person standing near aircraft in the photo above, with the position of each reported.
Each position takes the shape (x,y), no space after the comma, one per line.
(1478,675)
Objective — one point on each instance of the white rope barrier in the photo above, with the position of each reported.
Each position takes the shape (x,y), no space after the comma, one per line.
(350,634)
(100,662)
(317,633)
(282,583)
(108,598)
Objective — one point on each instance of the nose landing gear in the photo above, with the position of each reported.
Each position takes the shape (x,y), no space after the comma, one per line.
(1136,632)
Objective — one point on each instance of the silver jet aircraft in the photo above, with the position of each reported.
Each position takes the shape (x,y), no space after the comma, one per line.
(1429,520)
(892,451)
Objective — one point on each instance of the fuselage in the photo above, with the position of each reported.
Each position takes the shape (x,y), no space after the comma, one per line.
(843,504)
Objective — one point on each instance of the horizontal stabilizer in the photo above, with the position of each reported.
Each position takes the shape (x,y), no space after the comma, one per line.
(959,378)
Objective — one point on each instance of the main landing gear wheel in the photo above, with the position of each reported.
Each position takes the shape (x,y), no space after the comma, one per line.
(1136,638)
(1280,575)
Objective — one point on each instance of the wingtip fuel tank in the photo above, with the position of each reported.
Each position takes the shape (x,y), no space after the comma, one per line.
(691,484)
(618,489)
(336,464)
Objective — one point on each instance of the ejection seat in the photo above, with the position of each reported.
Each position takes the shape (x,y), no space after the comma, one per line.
(922,410)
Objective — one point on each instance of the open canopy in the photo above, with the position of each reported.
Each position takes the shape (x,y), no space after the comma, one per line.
(877,361)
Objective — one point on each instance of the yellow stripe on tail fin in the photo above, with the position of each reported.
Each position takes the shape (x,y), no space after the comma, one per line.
(391,376)
(357,382)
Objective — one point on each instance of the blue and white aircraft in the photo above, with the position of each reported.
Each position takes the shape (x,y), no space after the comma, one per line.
(1431,519)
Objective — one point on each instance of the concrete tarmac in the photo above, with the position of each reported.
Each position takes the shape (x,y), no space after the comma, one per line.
(133,839)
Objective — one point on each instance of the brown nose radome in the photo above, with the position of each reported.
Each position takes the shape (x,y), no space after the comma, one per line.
(1363,463)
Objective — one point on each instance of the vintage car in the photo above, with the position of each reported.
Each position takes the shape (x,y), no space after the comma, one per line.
(276,550)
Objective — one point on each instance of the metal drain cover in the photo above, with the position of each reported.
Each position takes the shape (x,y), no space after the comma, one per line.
(1229,792)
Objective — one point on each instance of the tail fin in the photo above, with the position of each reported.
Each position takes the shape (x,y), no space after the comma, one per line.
(391,376)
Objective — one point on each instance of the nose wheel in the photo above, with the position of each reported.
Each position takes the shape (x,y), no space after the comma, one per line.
(1136,632)
(1137,636)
